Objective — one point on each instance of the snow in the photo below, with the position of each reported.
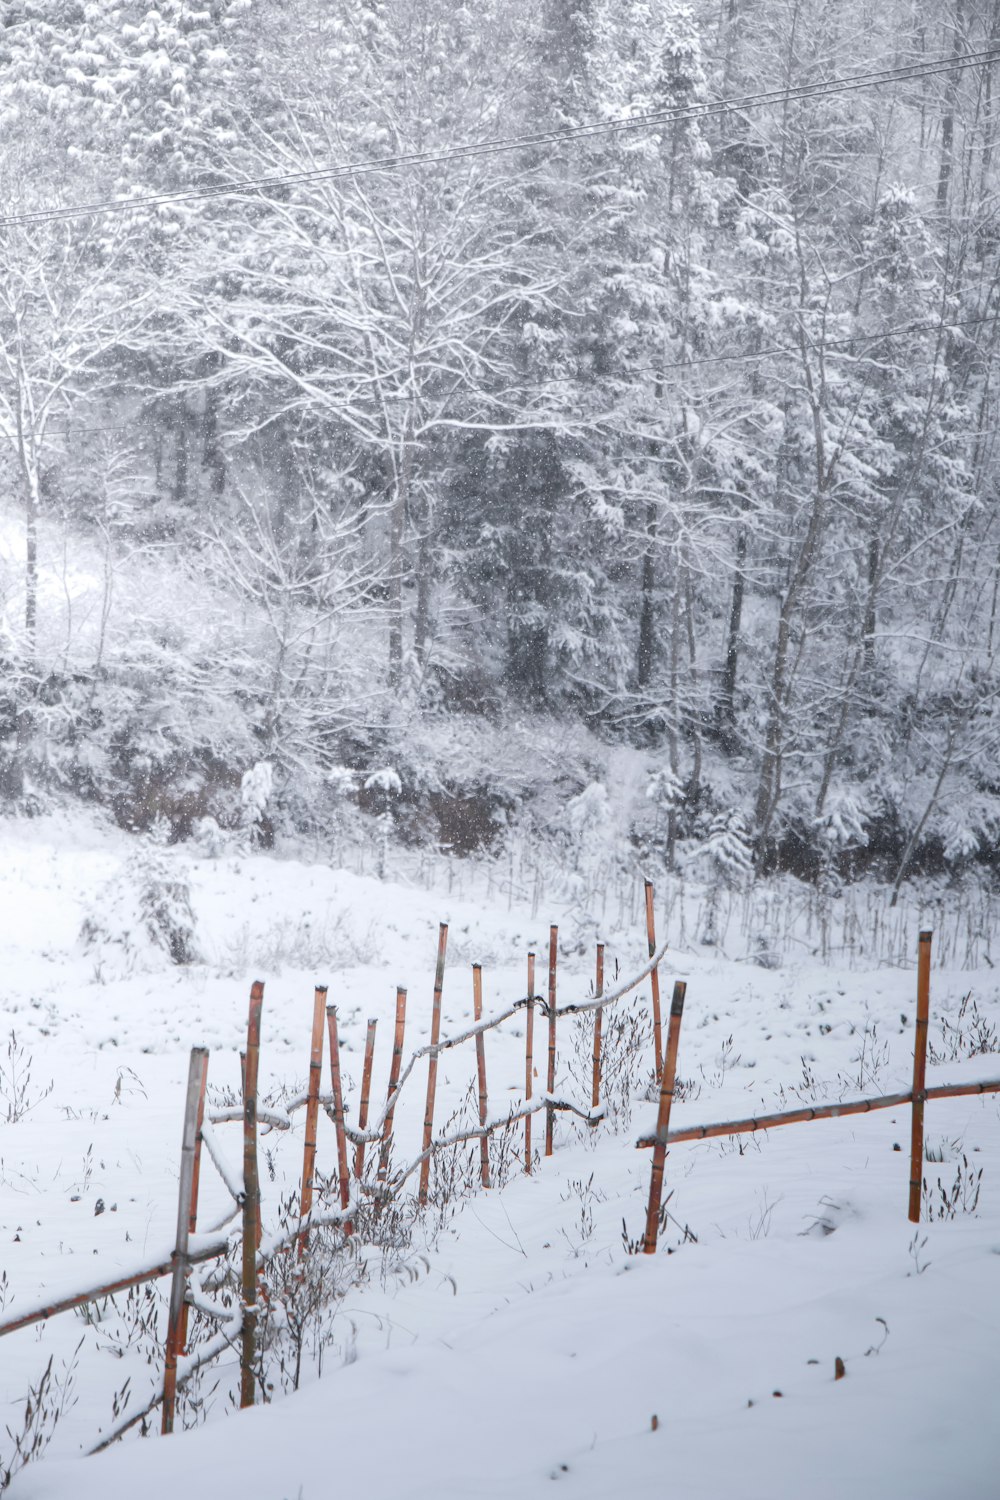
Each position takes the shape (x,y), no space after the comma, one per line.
(513,1343)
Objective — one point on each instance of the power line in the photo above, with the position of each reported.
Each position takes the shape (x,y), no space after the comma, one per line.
(471,150)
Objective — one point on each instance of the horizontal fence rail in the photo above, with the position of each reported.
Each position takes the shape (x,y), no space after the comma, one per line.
(754,1123)
(38,1314)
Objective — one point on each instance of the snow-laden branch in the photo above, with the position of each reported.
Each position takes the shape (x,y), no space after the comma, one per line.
(277,1119)
(489,1023)
(187,1366)
(318,1219)
(232,1178)
(478,1133)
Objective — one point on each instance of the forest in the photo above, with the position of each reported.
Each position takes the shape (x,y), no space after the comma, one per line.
(411,411)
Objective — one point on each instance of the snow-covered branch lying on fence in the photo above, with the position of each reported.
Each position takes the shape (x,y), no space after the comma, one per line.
(599,1002)
(196,1297)
(317,1219)
(187,1365)
(232,1179)
(489,1023)
(264,1117)
(478,1133)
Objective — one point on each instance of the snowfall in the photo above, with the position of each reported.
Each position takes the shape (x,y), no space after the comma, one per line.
(509,1340)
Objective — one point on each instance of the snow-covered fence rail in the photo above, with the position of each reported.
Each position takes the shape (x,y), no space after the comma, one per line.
(205,1247)
(376,1133)
(753,1123)
(663,1136)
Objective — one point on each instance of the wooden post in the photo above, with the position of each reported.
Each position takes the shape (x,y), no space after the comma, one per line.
(251,1199)
(550,1114)
(394,1071)
(663,1119)
(529,1061)
(312,1110)
(477,1012)
(343,1171)
(178,1286)
(432,1063)
(919,1074)
(595,1092)
(654,980)
(195,1184)
(366,1083)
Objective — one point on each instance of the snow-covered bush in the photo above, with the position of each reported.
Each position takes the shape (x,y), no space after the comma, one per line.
(255,793)
(209,839)
(725,859)
(383,788)
(725,856)
(141,915)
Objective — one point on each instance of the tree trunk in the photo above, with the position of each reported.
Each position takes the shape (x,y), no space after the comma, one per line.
(726,707)
(647,616)
(948,115)
(181,490)
(870,620)
(769,786)
(397,525)
(425,591)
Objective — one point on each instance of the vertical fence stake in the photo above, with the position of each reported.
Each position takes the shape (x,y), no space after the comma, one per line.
(432,1063)
(195,1184)
(394,1071)
(595,1092)
(550,1114)
(343,1171)
(366,1083)
(178,1285)
(477,1013)
(654,980)
(312,1111)
(251,1199)
(529,1060)
(919,1074)
(663,1119)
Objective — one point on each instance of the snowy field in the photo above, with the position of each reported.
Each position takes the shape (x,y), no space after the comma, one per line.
(506,1340)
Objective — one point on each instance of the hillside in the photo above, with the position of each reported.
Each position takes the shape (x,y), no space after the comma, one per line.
(385,389)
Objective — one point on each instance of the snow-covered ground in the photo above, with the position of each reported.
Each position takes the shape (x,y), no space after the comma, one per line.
(507,1340)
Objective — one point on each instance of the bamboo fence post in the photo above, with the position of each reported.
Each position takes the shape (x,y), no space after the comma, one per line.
(654,980)
(919,1074)
(477,1013)
(529,1043)
(366,1083)
(195,1184)
(432,1063)
(343,1171)
(595,1092)
(251,1199)
(312,1111)
(663,1118)
(178,1285)
(394,1071)
(550,1114)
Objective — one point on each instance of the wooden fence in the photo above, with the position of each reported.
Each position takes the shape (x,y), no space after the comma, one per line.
(916,1097)
(369,1177)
